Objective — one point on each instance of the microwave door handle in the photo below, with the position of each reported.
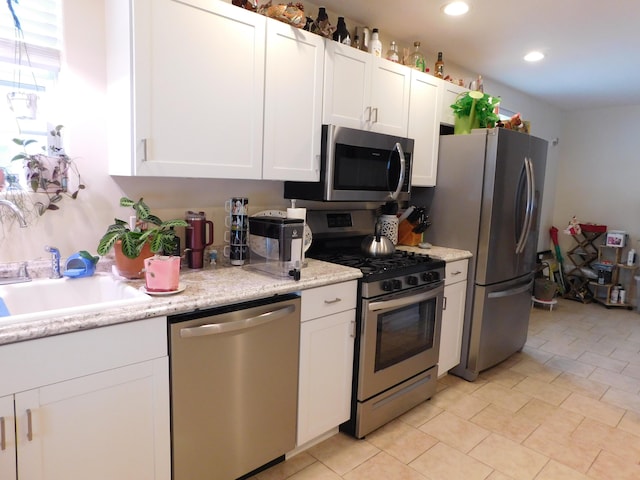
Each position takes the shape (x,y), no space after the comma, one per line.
(398,147)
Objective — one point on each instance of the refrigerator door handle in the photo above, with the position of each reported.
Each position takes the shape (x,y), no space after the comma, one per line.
(511,291)
(398,147)
(528,220)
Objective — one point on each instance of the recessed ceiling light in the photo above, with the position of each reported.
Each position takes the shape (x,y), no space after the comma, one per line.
(534,56)
(456,8)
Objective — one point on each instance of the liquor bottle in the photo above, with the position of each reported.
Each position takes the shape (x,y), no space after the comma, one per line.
(341,35)
(365,39)
(376,44)
(321,26)
(392,53)
(356,40)
(439,67)
(415,58)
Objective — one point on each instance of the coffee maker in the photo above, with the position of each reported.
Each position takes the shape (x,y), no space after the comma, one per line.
(198,236)
(276,245)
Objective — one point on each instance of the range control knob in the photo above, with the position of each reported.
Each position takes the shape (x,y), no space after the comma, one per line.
(386,285)
(412,280)
(397,284)
(430,276)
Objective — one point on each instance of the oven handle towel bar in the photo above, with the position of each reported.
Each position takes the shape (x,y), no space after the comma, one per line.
(217,328)
(511,291)
(402,302)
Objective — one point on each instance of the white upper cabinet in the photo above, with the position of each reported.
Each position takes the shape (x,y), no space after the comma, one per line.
(186,88)
(424,127)
(365,92)
(293,103)
(450,94)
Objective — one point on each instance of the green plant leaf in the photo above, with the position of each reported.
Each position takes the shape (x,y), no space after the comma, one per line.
(86,255)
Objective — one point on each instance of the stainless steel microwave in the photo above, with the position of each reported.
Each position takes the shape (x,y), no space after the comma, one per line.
(358,165)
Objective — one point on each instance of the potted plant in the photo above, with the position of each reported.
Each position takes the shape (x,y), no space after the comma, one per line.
(144,235)
(48,173)
(474,109)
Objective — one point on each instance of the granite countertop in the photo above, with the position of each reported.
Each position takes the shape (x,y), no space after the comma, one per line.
(206,288)
(442,253)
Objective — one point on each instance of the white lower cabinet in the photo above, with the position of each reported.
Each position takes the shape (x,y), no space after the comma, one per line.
(91,404)
(455,291)
(326,359)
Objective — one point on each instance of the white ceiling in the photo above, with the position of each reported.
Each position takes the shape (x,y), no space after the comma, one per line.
(592,47)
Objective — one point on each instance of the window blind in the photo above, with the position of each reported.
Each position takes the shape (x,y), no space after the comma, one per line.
(40,31)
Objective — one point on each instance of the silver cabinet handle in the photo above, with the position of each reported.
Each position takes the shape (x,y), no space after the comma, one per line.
(375,110)
(29,425)
(458,272)
(144,149)
(335,300)
(3,435)
(217,328)
(352,334)
(369,117)
(444,303)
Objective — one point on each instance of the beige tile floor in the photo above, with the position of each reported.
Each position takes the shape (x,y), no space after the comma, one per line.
(566,407)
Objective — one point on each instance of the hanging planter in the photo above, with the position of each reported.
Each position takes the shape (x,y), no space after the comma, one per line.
(23,105)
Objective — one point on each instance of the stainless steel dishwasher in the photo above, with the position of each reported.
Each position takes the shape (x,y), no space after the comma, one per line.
(234,384)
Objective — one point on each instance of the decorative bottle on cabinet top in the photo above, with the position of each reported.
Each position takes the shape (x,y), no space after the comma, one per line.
(376,44)
(392,53)
(415,58)
(341,35)
(439,67)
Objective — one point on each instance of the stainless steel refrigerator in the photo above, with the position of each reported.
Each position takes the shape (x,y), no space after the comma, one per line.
(487,200)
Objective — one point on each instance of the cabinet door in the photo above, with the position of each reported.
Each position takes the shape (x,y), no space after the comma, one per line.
(451,332)
(109,425)
(450,94)
(424,127)
(198,89)
(347,86)
(7,439)
(390,97)
(293,103)
(326,366)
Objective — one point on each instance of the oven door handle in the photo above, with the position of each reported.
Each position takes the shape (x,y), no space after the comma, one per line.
(404,301)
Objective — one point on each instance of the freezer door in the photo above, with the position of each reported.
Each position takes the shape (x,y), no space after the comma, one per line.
(499,323)
(510,208)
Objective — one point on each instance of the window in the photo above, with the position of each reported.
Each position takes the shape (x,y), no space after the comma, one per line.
(29,65)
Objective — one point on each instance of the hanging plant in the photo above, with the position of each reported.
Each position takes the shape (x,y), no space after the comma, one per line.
(48,173)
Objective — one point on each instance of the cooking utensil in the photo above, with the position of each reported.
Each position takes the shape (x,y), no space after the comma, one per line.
(377,245)
(406,213)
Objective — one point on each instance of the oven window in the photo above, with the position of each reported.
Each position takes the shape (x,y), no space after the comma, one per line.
(405,332)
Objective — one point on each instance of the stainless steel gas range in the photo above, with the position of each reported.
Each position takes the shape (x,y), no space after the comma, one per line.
(398,319)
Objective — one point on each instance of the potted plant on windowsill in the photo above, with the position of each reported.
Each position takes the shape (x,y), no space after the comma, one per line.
(141,237)
(474,109)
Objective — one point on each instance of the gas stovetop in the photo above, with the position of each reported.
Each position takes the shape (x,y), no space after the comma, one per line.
(399,262)
(337,239)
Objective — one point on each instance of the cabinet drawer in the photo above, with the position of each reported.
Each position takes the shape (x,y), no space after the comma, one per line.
(456,271)
(321,301)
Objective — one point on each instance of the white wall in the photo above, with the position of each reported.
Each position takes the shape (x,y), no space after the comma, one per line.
(599,169)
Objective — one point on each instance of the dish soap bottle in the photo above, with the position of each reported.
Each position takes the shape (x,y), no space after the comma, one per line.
(416,59)
(376,44)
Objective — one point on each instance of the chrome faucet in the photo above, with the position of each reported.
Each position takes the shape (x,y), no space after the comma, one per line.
(19,215)
(55,261)
(22,275)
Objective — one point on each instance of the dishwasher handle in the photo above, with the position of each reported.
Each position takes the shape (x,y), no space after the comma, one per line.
(217,328)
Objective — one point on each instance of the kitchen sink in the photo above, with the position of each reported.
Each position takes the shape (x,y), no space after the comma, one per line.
(47,298)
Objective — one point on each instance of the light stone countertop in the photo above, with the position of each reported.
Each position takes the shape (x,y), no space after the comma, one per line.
(206,288)
(443,253)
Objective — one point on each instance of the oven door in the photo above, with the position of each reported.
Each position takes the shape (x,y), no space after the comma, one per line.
(400,337)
